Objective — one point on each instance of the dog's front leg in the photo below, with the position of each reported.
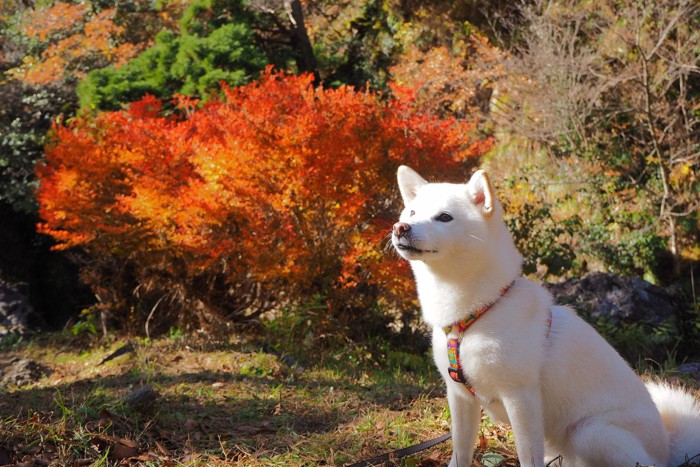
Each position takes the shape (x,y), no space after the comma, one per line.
(465,413)
(524,409)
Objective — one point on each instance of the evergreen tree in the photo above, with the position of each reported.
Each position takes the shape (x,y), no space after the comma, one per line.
(215,43)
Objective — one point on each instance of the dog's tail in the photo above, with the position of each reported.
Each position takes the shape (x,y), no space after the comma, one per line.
(680,413)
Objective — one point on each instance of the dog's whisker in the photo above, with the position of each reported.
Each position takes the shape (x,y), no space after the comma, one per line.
(387,244)
(480,239)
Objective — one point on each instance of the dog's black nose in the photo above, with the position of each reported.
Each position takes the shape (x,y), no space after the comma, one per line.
(400,229)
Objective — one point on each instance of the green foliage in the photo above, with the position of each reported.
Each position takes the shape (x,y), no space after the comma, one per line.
(639,341)
(11,342)
(176,334)
(86,324)
(565,228)
(544,241)
(635,253)
(216,43)
(25,116)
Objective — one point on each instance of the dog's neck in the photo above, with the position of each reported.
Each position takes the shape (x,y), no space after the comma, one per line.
(448,294)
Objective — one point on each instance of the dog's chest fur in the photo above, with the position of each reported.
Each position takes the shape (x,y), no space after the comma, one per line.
(498,347)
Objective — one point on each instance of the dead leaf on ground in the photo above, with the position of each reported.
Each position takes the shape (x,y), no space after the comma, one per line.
(191,457)
(81,462)
(264,427)
(121,451)
(430,462)
(119,448)
(123,441)
(483,442)
(162,449)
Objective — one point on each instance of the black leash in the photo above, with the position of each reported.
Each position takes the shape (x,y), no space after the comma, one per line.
(399,453)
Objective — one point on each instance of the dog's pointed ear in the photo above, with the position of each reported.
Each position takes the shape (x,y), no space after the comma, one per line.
(409,183)
(481,192)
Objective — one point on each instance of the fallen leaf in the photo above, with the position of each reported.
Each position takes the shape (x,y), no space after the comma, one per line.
(123,441)
(492,459)
(81,462)
(265,427)
(177,358)
(124,349)
(190,457)
(122,451)
(483,442)
(431,462)
(162,449)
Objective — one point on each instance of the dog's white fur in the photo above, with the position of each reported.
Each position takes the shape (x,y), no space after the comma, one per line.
(565,391)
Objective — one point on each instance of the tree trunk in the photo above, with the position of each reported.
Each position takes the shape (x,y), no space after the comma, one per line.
(306,59)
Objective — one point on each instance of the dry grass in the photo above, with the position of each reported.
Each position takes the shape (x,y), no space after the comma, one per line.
(227,402)
(223,403)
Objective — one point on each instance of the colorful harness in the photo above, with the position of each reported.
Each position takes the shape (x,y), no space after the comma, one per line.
(455,369)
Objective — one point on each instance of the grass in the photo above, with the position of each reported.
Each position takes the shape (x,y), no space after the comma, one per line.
(228,401)
(225,402)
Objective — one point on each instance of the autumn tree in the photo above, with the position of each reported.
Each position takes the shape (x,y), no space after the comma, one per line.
(273,192)
(68,39)
(46,47)
(456,80)
(609,93)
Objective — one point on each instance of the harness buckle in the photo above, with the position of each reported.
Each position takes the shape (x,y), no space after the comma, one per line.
(457,375)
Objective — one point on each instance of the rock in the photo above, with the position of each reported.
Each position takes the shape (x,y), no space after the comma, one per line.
(692,369)
(142,399)
(15,310)
(618,298)
(21,371)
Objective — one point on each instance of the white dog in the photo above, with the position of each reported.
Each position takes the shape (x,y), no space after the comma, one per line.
(501,344)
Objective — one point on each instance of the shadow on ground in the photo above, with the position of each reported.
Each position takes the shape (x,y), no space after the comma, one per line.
(220,405)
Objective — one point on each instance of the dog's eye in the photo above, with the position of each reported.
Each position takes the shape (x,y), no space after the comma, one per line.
(413,213)
(444,217)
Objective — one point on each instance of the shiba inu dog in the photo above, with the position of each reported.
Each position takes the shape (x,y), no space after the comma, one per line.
(502,344)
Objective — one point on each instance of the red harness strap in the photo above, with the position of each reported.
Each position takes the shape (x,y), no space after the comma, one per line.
(455,369)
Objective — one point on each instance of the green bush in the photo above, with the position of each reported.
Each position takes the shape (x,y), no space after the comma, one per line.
(216,43)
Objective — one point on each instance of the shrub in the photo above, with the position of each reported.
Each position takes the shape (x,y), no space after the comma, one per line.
(219,47)
(270,193)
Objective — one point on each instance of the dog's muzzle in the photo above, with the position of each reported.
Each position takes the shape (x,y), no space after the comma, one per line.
(402,240)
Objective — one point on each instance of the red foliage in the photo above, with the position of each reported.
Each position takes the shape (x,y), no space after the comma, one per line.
(275,183)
